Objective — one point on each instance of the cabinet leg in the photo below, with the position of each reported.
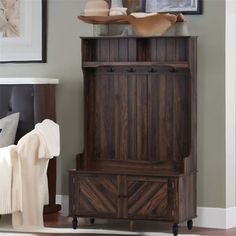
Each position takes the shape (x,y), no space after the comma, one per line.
(92,221)
(175,229)
(74,222)
(190,224)
(131,225)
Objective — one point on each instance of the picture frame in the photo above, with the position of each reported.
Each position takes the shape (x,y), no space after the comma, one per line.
(25,40)
(189,7)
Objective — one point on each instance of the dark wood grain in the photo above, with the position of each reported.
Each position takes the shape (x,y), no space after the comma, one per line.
(137,165)
(132,49)
(170,49)
(193,74)
(140,130)
(171,65)
(187,197)
(147,198)
(114,50)
(105,117)
(191,161)
(89,120)
(45,108)
(96,194)
(181,117)
(121,117)
(132,117)
(123,50)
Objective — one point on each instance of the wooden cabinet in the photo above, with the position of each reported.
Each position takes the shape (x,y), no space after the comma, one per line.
(139,159)
(116,196)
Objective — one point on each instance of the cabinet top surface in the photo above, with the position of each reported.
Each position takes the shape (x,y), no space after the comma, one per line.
(135,37)
(27,80)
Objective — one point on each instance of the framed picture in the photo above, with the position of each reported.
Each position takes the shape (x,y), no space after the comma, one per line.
(23,31)
(183,6)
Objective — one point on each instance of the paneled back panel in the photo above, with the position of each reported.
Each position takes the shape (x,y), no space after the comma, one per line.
(135,49)
(168,49)
(139,117)
(116,49)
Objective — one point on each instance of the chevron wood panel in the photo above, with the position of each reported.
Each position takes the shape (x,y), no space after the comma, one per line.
(98,195)
(148,198)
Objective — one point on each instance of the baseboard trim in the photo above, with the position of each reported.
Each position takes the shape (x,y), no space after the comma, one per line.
(63,200)
(208,217)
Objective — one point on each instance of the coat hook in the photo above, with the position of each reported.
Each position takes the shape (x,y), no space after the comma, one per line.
(153,70)
(111,70)
(131,70)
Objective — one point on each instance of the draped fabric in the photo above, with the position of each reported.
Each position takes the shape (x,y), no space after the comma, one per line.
(23,167)
(34,151)
(10,184)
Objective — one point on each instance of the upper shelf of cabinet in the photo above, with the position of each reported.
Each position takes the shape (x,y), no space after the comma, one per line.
(171,65)
(157,51)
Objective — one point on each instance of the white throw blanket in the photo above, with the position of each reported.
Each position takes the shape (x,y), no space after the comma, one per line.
(34,151)
(10,184)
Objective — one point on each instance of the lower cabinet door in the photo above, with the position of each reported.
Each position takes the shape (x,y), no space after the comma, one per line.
(123,197)
(149,198)
(98,196)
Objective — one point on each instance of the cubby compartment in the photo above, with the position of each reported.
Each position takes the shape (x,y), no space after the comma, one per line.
(89,50)
(156,49)
(109,49)
(169,49)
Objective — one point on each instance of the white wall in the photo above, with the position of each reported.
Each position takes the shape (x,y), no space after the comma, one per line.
(230,77)
(210,27)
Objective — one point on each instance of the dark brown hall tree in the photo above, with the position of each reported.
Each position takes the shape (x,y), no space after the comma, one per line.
(139,160)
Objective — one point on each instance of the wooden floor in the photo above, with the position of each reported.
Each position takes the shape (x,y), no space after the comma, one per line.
(56,220)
